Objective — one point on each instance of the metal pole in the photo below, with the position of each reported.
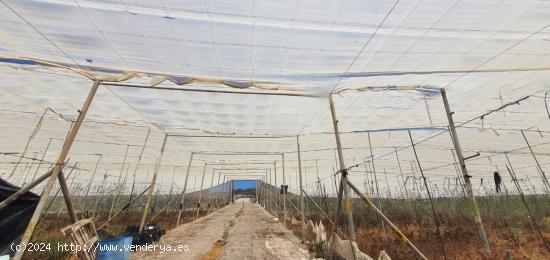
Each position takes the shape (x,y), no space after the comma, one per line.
(520,191)
(343,171)
(403,179)
(276,193)
(464,170)
(303,218)
(210,189)
(284,189)
(184,188)
(91,180)
(118,188)
(141,152)
(231,195)
(56,170)
(200,191)
(139,161)
(151,190)
(25,176)
(33,134)
(42,159)
(435,216)
(543,175)
(393,227)
(376,182)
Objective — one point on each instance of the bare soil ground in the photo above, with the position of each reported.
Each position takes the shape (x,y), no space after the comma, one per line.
(199,235)
(237,231)
(257,236)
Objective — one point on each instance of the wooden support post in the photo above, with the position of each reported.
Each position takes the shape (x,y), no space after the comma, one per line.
(284,190)
(464,170)
(118,186)
(66,196)
(343,171)
(231,195)
(182,201)
(276,193)
(303,218)
(210,189)
(56,170)
(33,134)
(152,189)
(200,192)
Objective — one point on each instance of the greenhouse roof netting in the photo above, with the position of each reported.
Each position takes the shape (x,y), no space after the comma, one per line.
(224,76)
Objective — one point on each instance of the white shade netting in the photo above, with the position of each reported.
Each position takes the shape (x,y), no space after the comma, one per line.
(235,81)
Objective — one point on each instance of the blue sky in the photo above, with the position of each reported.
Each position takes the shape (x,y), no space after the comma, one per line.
(249,184)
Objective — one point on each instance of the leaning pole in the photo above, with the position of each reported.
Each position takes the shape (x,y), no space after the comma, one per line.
(57,169)
(343,172)
(464,170)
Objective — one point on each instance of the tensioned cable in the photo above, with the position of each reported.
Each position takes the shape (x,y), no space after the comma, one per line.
(41,34)
(516,102)
(500,53)
(423,35)
(366,44)
(352,63)
(102,33)
(213,42)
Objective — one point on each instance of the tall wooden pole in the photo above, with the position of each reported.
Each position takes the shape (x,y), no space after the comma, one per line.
(152,189)
(210,189)
(119,186)
(277,193)
(344,173)
(84,205)
(182,201)
(543,175)
(284,189)
(33,134)
(434,213)
(66,196)
(303,217)
(376,182)
(408,198)
(56,170)
(464,170)
(200,191)
(392,226)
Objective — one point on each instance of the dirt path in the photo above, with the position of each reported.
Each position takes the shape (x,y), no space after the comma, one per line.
(199,235)
(250,231)
(256,236)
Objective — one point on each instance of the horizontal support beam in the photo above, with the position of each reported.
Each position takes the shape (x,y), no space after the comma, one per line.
(277,93)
